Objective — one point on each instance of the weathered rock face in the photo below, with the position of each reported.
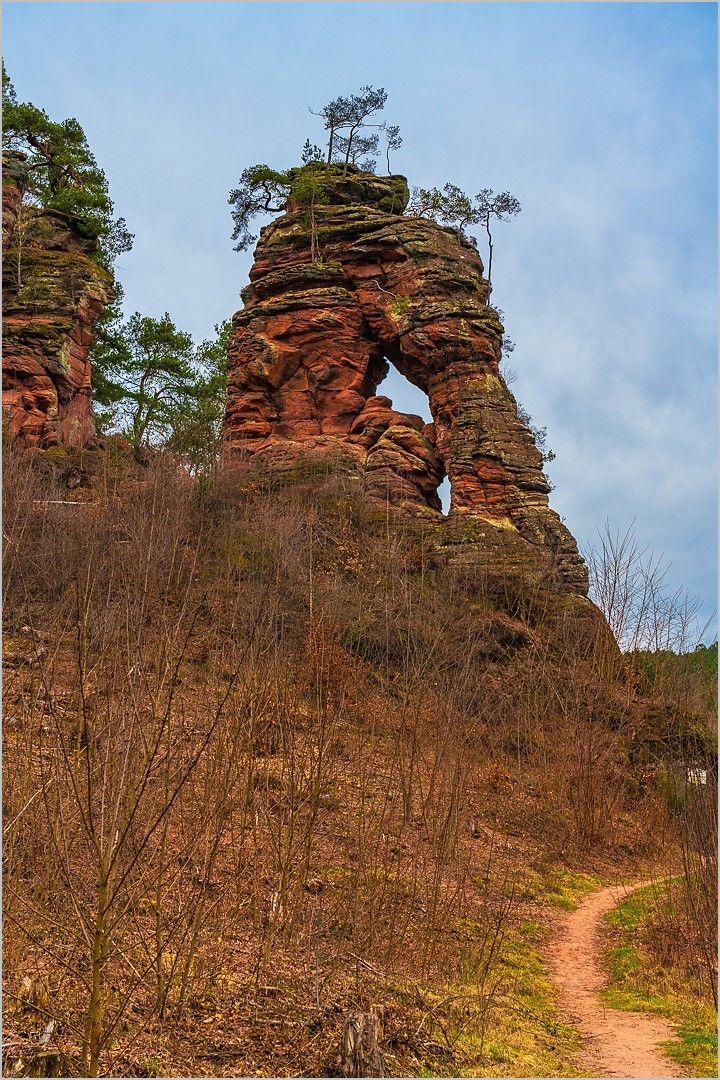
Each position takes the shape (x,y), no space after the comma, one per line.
(343,284)
(53,293)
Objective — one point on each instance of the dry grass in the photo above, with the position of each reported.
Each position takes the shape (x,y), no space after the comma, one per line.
(265,761)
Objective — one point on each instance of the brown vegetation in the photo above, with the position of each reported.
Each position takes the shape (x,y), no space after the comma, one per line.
(268,761)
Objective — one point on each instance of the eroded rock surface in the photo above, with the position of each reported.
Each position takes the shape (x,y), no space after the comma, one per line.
(53,293)
(345,284)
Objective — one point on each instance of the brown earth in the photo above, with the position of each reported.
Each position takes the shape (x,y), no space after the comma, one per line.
(618,1043)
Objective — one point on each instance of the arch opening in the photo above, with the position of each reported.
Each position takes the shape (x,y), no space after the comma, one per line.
(406,397)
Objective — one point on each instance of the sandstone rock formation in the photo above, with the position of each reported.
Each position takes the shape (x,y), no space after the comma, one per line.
(345,284)
(53,293)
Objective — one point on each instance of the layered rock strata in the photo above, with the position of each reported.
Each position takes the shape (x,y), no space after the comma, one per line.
(53,293)
(344,284)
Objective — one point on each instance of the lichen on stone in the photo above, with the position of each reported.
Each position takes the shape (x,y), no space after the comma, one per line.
(54,289)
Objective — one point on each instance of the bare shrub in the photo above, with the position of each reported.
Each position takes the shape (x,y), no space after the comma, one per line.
(630,586)
(258,736)
(659,631)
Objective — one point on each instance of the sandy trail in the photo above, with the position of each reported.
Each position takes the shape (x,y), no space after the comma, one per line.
(620,1044)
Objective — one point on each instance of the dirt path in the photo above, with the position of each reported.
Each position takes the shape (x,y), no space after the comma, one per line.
(620,1044)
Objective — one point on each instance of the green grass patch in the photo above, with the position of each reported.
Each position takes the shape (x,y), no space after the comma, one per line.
(510,1025)
(559,887)
(524,1036)
(638,984)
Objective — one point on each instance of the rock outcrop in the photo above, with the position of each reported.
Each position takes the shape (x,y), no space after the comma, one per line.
(342,285)
(53,292)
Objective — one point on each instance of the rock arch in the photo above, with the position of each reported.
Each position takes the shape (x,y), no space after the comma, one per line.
(309,350)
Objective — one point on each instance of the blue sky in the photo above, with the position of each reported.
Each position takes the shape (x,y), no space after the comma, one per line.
(600,118)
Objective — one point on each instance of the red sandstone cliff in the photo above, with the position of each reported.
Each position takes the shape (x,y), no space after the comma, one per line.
(313,343)
(53,293)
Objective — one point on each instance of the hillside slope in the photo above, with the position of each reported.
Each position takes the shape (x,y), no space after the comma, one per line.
(268,762)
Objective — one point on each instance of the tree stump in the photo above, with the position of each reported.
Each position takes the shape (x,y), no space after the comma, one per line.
(360,1053)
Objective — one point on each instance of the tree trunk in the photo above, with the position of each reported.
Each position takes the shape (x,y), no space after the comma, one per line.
(313,230)
(490,251)
(360,1053)
(351,136)
(92,1039)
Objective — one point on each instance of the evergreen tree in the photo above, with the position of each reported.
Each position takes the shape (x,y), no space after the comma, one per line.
(453,207)
(260,190)
(196,429)
(156,387)
(64,174)
(347,120)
